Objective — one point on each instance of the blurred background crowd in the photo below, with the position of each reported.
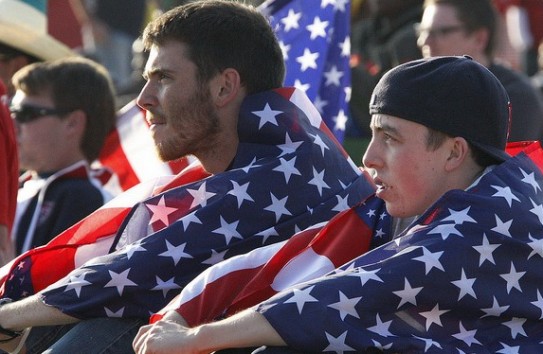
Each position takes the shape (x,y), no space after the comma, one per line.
(383,35)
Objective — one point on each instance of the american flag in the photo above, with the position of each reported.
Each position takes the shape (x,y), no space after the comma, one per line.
(465,278)
(288,174)
(314,38)
(91,237)
(531,148)
(245,280)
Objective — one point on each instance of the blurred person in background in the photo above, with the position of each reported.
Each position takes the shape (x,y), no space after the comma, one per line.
(60,129)
(537,78)
(458,27)
(108,30)
(9,173)
(383,36)
(23,40)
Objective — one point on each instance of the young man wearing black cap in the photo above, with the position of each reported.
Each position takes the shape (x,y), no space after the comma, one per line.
(458,27)
(465,276)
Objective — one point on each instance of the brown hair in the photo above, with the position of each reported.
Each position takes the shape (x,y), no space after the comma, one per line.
(435,138)
(220,35)
(75,83)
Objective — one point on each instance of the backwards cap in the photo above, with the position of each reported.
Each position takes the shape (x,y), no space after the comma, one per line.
(454,95)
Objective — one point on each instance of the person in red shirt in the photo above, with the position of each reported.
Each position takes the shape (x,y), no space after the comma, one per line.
(9,174)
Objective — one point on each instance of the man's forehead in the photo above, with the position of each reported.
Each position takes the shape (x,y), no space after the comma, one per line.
(379,120)
(170,56)
(168,48)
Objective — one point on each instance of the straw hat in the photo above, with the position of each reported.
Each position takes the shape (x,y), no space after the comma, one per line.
(25,28)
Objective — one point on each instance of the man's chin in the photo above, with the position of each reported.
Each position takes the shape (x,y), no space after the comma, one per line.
(393,211)
(166,156)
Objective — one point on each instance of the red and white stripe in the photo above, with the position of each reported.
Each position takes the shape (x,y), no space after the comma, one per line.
(246,280)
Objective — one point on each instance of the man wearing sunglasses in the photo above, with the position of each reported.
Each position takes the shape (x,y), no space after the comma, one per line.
(458,27)
(59,132)
(23,40)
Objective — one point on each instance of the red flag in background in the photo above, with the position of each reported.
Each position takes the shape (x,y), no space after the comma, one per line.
(531,148)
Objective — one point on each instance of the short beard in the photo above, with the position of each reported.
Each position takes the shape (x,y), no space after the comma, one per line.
(207,121)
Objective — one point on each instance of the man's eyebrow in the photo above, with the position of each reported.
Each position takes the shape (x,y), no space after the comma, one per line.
(384,127)
(154,72)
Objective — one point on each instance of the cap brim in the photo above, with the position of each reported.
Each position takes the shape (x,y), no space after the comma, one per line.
(498,154)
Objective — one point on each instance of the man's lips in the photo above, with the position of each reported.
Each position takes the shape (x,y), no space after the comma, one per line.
(381,186)
(154,118)
(154,121)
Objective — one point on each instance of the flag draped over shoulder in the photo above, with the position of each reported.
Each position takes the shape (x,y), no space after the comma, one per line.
(246,280)
(466,277)
(129,151)
(289,173)
(93,236)
(314,38)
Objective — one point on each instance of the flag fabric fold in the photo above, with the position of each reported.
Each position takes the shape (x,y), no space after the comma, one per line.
(246,280)
(465,277)
(531,148)
(314,38)
(93,236)
(289,173)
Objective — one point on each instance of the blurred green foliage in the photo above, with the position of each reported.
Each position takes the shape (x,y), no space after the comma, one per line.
(356,147)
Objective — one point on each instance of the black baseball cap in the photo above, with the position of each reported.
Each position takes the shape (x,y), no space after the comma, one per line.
(454,95)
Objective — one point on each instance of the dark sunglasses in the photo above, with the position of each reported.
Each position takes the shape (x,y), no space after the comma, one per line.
(27,113)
